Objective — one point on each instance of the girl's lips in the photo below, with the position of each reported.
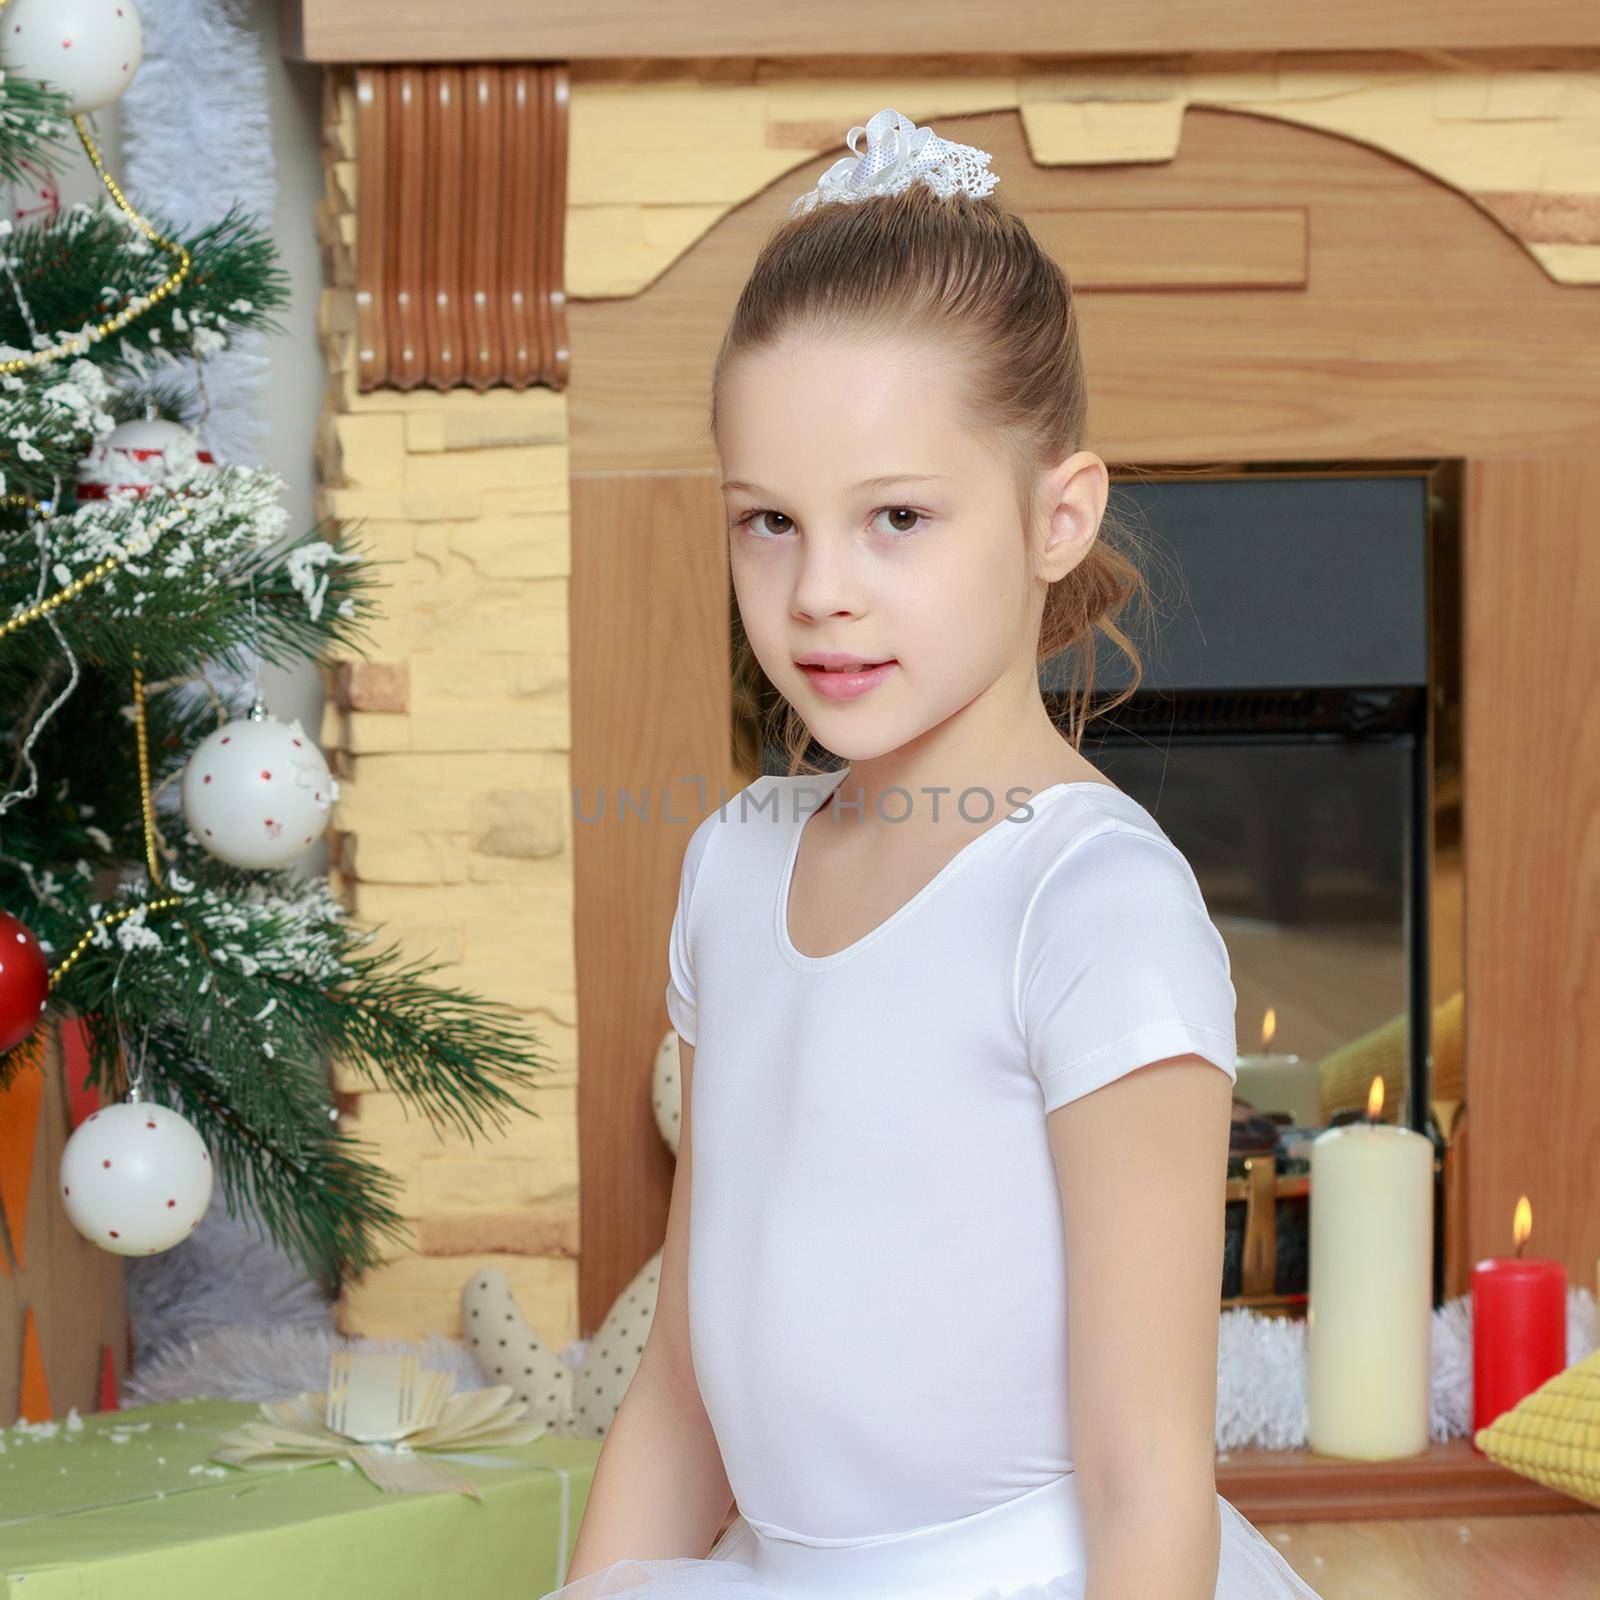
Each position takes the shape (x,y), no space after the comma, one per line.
(847,685)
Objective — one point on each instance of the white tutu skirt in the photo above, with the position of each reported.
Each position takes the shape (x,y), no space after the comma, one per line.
(1027,1548)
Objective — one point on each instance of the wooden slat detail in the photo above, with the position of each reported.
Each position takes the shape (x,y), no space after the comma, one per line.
(444,141)
(460,225)
(1531,726)
(406,171)
(500,30)
(556,97)
(1178,247)
(651,713)
(483,352)
(372,230)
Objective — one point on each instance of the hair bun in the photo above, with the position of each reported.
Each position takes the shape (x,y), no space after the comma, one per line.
(898,154)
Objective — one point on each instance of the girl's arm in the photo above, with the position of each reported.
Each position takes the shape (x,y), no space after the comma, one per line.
(659,1486)
(1142,1164)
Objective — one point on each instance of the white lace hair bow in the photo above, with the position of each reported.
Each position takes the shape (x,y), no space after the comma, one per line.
(898,154)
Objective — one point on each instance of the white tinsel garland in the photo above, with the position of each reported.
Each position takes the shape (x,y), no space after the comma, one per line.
(1261,1367)
(197,139)
(1262,1380)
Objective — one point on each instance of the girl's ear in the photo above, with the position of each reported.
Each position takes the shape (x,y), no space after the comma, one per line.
(1076,492)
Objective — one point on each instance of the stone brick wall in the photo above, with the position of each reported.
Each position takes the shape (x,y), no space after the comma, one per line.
(452,744)
(655,165)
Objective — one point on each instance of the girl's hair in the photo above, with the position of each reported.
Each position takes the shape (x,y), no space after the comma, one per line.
(966,275)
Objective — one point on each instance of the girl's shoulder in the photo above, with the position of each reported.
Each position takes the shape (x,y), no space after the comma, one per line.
(1090,809)
(763,801)
(1097,828)
(1118,962)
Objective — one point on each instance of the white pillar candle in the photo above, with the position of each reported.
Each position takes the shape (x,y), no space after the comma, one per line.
(1371,1291)
(1271,1081)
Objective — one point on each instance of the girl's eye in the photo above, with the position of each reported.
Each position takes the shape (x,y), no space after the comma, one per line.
(752,520)
(901,511)
(750,517)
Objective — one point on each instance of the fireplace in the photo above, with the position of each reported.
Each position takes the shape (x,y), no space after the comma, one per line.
(1297,734)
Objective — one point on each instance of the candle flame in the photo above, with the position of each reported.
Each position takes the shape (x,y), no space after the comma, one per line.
(1375,1100)
(1522,1222)
(1269,1027)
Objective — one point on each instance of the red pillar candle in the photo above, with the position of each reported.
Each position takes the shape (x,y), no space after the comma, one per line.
(1519,1325)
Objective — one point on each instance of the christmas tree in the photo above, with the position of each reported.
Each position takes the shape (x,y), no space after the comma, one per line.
(150,810)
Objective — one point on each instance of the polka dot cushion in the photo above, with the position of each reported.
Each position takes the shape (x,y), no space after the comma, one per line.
(613,1354)
(507,1350)
(578,1403)
(666,1092)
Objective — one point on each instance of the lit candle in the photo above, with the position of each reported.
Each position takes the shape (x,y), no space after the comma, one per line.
(1370,1316)
(1271,1080)
(1519,1325)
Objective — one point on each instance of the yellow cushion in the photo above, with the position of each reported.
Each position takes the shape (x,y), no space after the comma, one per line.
(1553,1434)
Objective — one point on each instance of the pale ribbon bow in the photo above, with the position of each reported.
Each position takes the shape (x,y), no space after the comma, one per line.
(294,1433)
(897,154)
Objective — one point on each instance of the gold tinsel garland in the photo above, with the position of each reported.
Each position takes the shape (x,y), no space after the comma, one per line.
(75,345)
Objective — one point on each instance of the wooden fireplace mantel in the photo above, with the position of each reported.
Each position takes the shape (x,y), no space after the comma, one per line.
(511,30)
(1448,1479)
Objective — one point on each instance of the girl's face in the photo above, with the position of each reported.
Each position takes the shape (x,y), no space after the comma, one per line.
(868,523)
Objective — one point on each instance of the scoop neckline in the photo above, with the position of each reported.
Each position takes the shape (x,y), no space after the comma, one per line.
(799,960)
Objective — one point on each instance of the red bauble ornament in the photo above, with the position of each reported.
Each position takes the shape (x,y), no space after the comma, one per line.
(24,981)
(139,455)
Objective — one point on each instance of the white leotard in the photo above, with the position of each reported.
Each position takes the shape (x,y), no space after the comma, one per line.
(877,1277)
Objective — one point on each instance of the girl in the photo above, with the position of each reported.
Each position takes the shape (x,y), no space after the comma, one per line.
(959,1068)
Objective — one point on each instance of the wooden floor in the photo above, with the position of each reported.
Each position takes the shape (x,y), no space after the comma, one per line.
(1553,1557)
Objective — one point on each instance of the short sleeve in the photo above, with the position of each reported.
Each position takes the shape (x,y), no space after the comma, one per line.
(681,991)
(1119,965)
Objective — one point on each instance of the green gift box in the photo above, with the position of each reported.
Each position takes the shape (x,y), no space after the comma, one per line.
(129,1506)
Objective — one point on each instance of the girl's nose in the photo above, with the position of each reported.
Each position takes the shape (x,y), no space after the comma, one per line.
(824,579)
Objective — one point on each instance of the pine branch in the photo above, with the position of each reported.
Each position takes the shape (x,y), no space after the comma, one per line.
(189,553)
(88,809)
(34,127)
(48,415)
(315,1195)
(245,993)
(92,262)
(447,1051)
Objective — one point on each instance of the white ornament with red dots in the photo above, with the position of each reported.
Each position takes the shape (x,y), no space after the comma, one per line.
(88,49)
(135,1178)
(141,454)
(257,792)
(35,197)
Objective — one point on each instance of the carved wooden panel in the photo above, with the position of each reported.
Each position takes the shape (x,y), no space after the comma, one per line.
(460,218)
